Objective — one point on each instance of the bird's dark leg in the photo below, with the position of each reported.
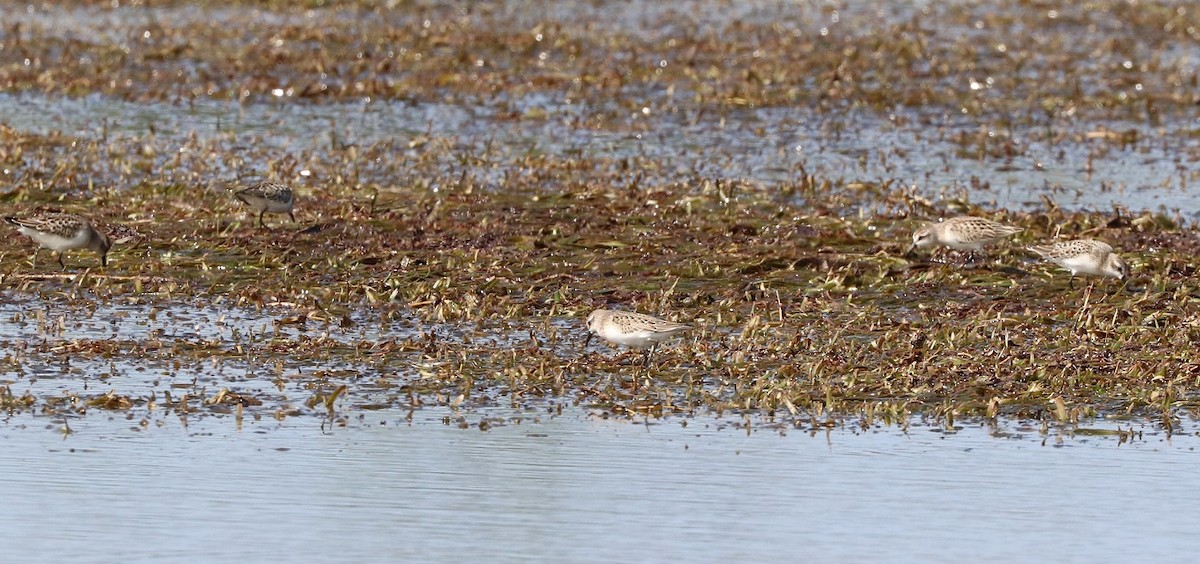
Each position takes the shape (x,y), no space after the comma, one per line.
(60,261)
(977,256)
(260,219)
(35,254)
(293,216)
(1071,281)
(966,258)
(649,351)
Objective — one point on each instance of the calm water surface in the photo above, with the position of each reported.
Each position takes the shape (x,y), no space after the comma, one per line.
(578,487)
(766,146)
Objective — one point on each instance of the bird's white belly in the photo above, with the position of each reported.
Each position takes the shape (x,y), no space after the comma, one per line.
(1085,264)
(55,242)
(963,245)
(266,204)
(276,206)
(635,339)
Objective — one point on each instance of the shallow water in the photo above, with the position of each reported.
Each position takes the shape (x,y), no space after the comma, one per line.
(1078,161)
(200,350)
(578,487)
(765,146)
(547,482)
(393,484)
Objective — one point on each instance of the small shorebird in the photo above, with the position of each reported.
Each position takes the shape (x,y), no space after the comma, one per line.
(62,232)
(267,197)
(631,329)
(118,233)
(962,233)
(1084,256)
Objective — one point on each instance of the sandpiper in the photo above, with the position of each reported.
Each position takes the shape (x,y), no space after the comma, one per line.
(631,329)
(1084,256)
(62,232)
(267,197)
(962,233)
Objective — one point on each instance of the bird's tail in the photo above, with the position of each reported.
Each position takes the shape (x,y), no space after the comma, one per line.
(1041,250)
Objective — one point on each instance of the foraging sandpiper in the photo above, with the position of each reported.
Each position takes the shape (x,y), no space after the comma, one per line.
(62,232)
(962,233)
(1084,256)
(267,197)
(631,329)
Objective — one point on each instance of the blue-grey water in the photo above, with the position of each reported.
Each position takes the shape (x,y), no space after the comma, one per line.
(580,488)
(763,146)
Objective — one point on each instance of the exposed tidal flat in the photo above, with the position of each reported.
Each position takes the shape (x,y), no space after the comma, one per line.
(472,181)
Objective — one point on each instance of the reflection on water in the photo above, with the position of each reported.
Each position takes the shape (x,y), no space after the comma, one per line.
(580,488)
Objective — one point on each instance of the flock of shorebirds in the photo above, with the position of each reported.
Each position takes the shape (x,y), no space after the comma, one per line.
(62,232)
(970,234)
